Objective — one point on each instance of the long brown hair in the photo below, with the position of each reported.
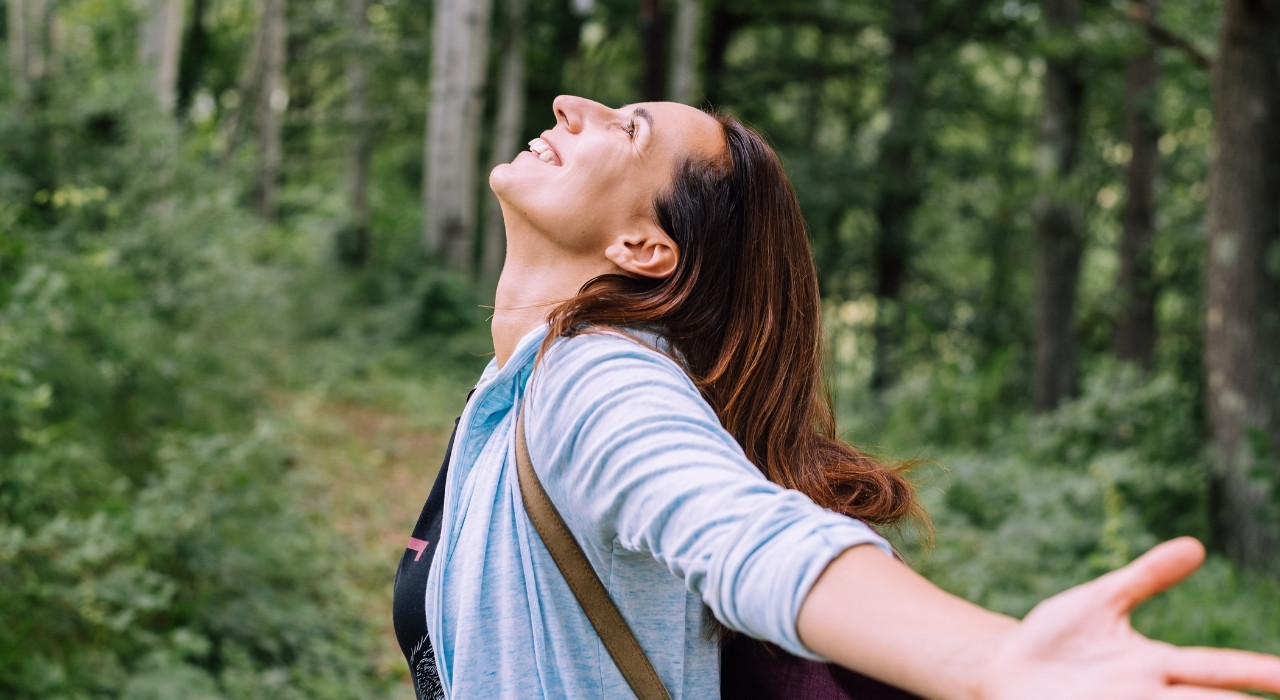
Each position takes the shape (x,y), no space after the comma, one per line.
(742,312)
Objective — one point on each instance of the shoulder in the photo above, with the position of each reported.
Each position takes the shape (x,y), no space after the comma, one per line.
(613,371)
(612,349)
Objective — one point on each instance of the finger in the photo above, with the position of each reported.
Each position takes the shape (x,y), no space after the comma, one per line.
(1160,568)
(1225,668)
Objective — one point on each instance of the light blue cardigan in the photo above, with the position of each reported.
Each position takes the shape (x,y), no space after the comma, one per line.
(668,510)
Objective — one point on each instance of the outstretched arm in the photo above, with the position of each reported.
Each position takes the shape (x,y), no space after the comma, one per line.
(872,614)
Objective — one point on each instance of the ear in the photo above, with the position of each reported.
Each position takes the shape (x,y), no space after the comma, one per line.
(644,251)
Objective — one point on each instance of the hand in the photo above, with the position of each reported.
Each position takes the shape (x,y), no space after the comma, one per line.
(1079,644)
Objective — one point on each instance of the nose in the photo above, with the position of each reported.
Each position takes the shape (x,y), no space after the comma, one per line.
(574,111)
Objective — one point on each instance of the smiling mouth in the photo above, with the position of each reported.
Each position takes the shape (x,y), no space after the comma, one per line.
(544,152)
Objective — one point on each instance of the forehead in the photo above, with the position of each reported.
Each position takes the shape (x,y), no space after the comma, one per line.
(680,130)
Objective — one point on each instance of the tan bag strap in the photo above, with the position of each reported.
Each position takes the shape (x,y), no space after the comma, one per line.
(583,580)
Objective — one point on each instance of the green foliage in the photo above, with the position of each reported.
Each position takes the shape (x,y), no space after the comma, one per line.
(155,536)
(159,534)
(1051,502)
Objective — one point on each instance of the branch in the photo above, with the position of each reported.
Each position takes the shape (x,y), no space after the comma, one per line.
(1163,36)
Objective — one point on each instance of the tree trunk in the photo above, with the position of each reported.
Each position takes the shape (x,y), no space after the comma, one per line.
(1242,339)
(459,51)
(273,99)
(354,246)
(16,23)
(684,46)
(1057,219)
(248,89)
(159,49)
(899,189)
(30,39)
(652,36)
(195,54)
(723,25)
(1135,328)
(507,127)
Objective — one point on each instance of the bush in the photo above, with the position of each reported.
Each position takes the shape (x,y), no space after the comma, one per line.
(155,537)
(1056,500)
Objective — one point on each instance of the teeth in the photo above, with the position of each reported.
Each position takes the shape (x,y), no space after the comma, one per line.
(542,149)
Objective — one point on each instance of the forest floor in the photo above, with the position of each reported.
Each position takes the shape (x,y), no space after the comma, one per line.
(372,466)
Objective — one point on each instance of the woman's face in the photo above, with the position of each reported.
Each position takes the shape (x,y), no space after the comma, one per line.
(597,172)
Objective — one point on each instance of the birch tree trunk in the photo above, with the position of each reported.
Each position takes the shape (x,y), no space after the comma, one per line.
(899,189)
(1057,219)
(30,40)
(273,99)
(506,128)
(1242,338)
(16,24)
(684,46)
(1135,329)
(160,48)
(355,244)
(459,49)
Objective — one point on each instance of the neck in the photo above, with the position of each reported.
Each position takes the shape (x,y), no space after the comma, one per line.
(536,277)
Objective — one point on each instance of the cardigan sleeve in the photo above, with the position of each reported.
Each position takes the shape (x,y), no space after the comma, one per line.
(633,457)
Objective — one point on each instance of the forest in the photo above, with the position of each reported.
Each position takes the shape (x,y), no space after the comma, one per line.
(246,248)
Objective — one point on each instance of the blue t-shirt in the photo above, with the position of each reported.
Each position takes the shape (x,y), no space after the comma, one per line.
(666,507)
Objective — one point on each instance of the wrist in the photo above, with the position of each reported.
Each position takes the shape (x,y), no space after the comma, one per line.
(979,667)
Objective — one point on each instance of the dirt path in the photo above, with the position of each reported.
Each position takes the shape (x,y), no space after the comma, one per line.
(375,467)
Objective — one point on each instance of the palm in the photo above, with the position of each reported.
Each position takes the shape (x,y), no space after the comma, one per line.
(1079,644)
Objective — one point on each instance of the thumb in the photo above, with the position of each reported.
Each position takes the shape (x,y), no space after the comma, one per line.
(1162,567)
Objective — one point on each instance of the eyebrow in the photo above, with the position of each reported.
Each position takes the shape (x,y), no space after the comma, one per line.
(645,115)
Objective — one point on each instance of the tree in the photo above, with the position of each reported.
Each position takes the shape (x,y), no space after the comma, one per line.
(30,29)
(273,99)
(507,126)
(900,190)
(684,44)
(1242,341)
(355,243)
(195,53)
(459,49)
(159,48)
(653,54)
(1135,329)
(1057,218)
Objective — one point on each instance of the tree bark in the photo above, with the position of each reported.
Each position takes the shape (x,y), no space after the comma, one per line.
(899,189)
(195,54)
(30,40)
(1135,334)
(507,127)
(273,99)
(1057,219)
(724,23)
(16,24)
(160,49)
(355,244)
(1242,339)
(247,88)
(458,56)
(684,46)
(652,41)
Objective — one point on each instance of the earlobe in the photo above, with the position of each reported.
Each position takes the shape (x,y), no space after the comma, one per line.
(648,252)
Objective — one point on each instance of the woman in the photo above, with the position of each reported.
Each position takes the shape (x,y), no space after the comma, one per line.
(657,317)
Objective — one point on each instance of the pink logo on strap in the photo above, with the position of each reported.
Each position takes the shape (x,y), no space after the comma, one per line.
(418,546)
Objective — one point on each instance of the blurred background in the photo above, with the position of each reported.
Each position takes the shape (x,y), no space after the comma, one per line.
(245,248)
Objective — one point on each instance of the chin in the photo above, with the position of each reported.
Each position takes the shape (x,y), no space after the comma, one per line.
(497,176)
